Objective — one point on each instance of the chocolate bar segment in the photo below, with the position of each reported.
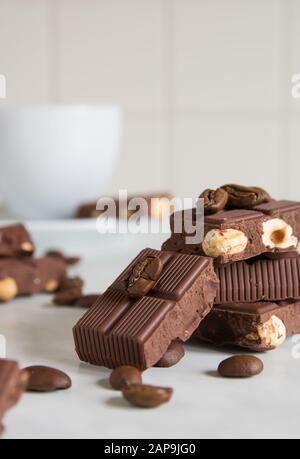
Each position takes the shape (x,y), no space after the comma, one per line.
(234,235)
(15,241)
(13,382)
(289,211)
(259,280)
(121,330)
(257,326)
(28,276)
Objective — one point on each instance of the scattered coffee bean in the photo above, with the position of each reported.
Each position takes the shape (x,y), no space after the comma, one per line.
(58,254)
(241,366)
(67,297)
(69,283)
(86,301)
(46,379)
(147,396)
(124,376)
(173,355)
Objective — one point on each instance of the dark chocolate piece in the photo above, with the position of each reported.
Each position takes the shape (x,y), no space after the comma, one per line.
(119,330)
(257,326)
(15,241)
(259,280)
(12,385)
(28,276)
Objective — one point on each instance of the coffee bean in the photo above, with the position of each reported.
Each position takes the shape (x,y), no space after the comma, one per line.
(71,261)
(147,396)
(214,200)
(143,277)
(67,297)
(69,283)
(124,376)
(46,379)
(86,301)
(245,197)
(241,366)
(173,355)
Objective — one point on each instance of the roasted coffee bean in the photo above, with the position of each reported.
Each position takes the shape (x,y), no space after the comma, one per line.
(46,379)
(86,301)
(124,376)
(241,366)
(69,283)
(214,200)
(173,355)
(245,197)
(67,297)
(143,277)
(61,256)
(147,396)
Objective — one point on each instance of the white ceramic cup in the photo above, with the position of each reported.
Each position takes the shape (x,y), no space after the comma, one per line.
(54,158)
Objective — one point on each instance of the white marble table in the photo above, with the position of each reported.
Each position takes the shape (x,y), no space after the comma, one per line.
(204,405)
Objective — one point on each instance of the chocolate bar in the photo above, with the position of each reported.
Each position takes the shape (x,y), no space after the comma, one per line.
(233,235)
(259,280)
(161,296)
(258,326)
(289,211)
(13,382)
(28,276)
(15,241)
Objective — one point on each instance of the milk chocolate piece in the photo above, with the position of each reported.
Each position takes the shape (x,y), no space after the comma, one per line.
(247,224)
(257,326)
(259,280)
(289,211)
(13,382)
(31,275)
(15,241)
(120,330)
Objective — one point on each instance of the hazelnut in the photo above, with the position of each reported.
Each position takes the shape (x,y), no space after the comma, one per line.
(277,234)
(27,247)
(51,285)
(224,242)
(272,332)
(8,289)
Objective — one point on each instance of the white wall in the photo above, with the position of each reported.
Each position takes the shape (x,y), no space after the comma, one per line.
(205,84)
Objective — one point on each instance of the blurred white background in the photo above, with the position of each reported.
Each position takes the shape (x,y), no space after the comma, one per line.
(205,85)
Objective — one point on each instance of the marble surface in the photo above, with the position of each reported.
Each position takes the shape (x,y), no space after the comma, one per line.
(203,406)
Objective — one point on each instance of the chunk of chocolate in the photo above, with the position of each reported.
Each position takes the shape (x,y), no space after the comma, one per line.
(13,382)
(15,241)
(259,280)
(289,211)
(257,326)
(28,276)
(121,330)
(233,235)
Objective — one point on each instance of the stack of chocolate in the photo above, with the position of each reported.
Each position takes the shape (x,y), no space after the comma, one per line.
(21,273)
(253,241)
(240,286)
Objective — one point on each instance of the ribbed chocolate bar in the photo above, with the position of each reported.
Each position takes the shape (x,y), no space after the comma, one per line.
(259,280)
(257,326)
(119,330)
(12,385)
